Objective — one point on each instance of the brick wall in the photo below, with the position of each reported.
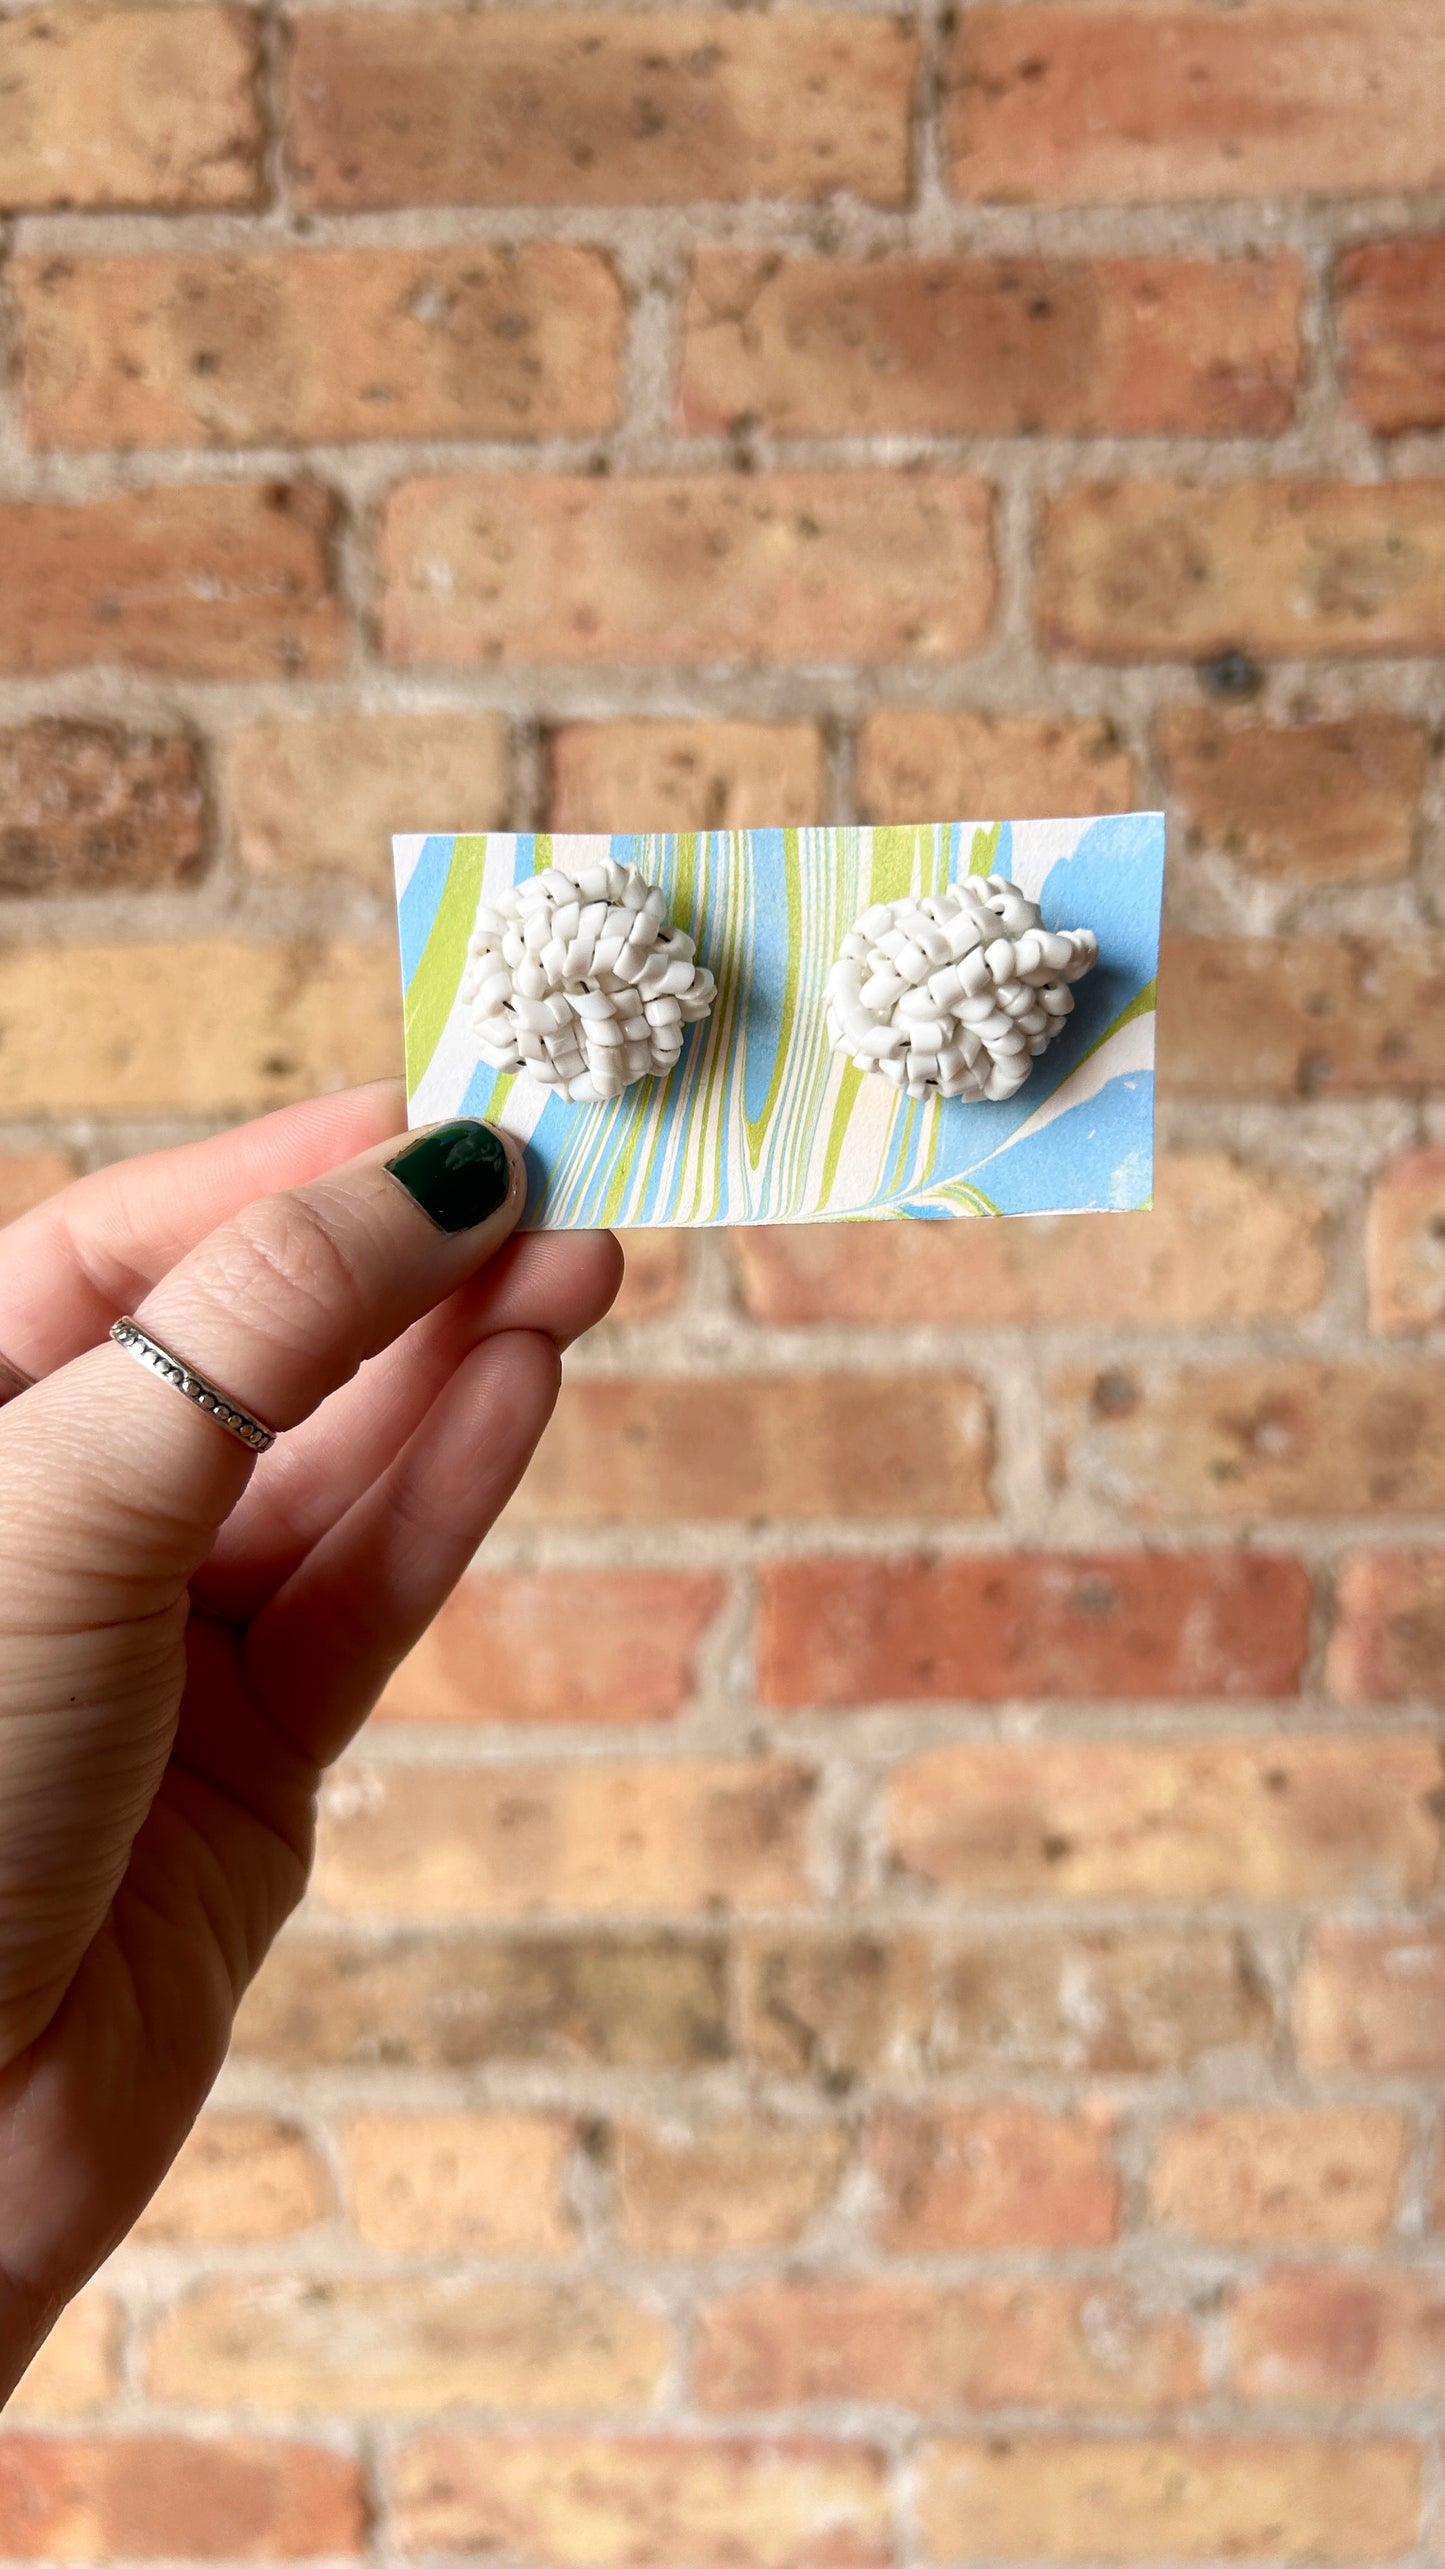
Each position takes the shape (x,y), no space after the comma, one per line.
(877,1993)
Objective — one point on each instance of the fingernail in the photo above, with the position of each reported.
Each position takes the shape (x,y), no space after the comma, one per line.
(458,1174)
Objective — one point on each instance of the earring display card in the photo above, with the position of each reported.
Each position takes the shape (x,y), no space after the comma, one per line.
(761,1121)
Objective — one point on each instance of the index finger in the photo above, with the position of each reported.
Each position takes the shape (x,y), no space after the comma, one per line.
(73,1263)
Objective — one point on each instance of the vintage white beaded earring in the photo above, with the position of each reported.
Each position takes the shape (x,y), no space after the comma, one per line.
(578,980)
(956,994)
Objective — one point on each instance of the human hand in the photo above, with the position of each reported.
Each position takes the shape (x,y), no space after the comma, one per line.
(189,1635)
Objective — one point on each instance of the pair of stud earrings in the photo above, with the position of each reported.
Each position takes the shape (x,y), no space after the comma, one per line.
(581,981)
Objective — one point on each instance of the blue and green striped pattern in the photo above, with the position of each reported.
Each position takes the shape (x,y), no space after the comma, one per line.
(761,1122)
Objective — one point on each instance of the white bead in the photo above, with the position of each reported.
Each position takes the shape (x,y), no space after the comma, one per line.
(957,993)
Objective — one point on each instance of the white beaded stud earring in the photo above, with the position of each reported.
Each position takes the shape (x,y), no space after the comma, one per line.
(956,994)
(580,982)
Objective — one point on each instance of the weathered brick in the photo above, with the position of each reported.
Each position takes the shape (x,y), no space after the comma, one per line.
(28,1177)
(984,1627)
(651,775)
(92,807)
(1122,2002)
(831,2004)
(1223,1243)
(935,2347)
(700,2189)
(1391,295)
(520,1841)
(323,797)
(202,1027)
(201,580)
(919,765)
(957,347)
(294,347)
(129,107)
(77,2370)
(1306,802)
(653,2002)
(992,2176)
(1371,2000)
(1256,1439)
(655,1278)
(1276,1819)
(1406,1244)
(1305,2333)
(787,1445)
(1091,104)
(578,2503)
(240,2179)
(1388,1644)
(392,2344)
(1293,1017)
(559,1646)
(664,569)
(481,2185)
(1321,2179)
(1153,570)
(131,2496)
(573,109)
(1195,2498)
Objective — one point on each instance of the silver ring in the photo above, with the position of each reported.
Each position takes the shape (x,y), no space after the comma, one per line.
(13,1382)
(218,1405)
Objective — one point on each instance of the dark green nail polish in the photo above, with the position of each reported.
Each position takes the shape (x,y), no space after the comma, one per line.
(458,1174)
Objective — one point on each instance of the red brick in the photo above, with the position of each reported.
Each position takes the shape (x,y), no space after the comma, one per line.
(751,1447)
(958,347)
(1153,570)
(574,109)
(1388,1644)
(478,2185)
(935,2347)
(701,2189)
(1406,1244)
(1091,104)
(1279,1819)
(129,107)
(987,1627)
(1223,1242)
(321,797)
(1322,2179)
(240,2179)
(1120,2002)
(649,775)
(1310,802)
(606,1840)
(1257,1440)
(1305,2334)
(132,2496)
(559,1646)
(28,1177)
(1371,2001)
(831,2004)
(91,807)
(1202,2498)
(992,2176)
(392,2344)
(1302,1016)
(665,569)
(204,1026)
(647,2002)
(655,1278)
(77,2369)
(921,765)
(294,347)
(1391,301)
(218,580)
(580,2503)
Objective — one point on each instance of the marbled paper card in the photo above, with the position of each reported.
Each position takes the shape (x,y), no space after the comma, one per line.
(761,1120)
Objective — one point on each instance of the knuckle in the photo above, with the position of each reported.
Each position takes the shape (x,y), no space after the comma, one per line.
(295,1272)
